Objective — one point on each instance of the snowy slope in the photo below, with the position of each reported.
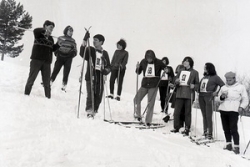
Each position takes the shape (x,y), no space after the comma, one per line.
(40,132)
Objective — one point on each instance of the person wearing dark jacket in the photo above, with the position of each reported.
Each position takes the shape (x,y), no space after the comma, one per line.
(65,54)
(41,57)
(209,87)
(187,83)
(164,88)
(98,66)
(151,68)
(118,68)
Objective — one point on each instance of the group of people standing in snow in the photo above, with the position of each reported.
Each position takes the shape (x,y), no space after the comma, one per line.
(65,49)
(157,74)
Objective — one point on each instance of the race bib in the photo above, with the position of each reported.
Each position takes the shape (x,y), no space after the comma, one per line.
(184,77)
(203,86)
(98,61)
(164,75)
(150,71)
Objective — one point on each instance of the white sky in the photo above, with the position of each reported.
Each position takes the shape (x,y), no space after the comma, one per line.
(208,31)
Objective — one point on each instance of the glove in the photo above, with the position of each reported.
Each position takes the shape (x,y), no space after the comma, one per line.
(86,36)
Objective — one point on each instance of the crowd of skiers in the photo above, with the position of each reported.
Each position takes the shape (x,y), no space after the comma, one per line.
(157,74)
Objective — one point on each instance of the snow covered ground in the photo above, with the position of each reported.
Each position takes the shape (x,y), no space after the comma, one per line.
(40,132)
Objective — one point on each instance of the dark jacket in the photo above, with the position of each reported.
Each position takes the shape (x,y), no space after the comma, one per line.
(120,59)
(67,47)
(43,47)
(151,82)
(185,91)
(105,60)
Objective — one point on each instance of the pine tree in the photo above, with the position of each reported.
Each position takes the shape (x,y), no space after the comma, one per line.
(11,15)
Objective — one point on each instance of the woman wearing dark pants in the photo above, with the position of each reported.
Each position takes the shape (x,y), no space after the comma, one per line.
(118,66)
(234,99)
(187,81)
(164,88)
(209,87)
(65,54)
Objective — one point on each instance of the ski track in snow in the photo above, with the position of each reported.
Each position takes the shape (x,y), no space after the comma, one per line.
(38,132)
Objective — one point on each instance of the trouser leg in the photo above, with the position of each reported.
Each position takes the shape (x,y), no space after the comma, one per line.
(151,102)
(45,70)
(66,70)
(137,100)
(35,66)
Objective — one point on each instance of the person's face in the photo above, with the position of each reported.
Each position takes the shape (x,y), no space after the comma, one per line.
(97,43)
(70,32)
(186,64)
(149,60)
(230,81)
(119,47)
(164,61)
(205,69)
(49,29)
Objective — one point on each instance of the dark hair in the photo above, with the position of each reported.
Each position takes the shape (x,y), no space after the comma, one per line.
(150,54)
(66,30)
(190,60)
(210,69)
(47,23)
(178,68)
(123,43)
(166,59)
(100,37)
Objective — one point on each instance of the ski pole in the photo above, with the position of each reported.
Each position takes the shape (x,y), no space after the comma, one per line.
(106,90)
(31,30)
(215,120)
(118,78)
(243,133)
(91,77)
(136,89)
(246,147)
(81,78)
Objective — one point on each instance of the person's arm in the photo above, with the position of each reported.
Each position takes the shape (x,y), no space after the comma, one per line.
(124,61)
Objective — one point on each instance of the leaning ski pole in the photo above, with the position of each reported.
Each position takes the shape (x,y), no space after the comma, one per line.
(81,78)
(246,147)
(136,89)
(106,92)
(31,30)
(91,78)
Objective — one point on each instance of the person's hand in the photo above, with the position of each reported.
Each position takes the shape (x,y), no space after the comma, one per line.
(215,94)
(171,85)
(177,81)
(166,70)
(241,111)
(224,95)
(137,65)
(191,86)
(86,36)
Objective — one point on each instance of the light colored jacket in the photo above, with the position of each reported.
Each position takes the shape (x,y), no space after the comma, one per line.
(237,97)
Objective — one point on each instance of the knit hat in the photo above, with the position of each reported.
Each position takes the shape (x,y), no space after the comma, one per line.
(66,30)
(47,23)
(100,37)
(230,74)
(123,43)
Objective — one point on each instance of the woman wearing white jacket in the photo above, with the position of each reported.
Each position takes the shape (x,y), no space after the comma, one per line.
(234,99)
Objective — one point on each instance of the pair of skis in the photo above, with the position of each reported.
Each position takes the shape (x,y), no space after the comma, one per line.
(138,125)
(90,114)
(202,140)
